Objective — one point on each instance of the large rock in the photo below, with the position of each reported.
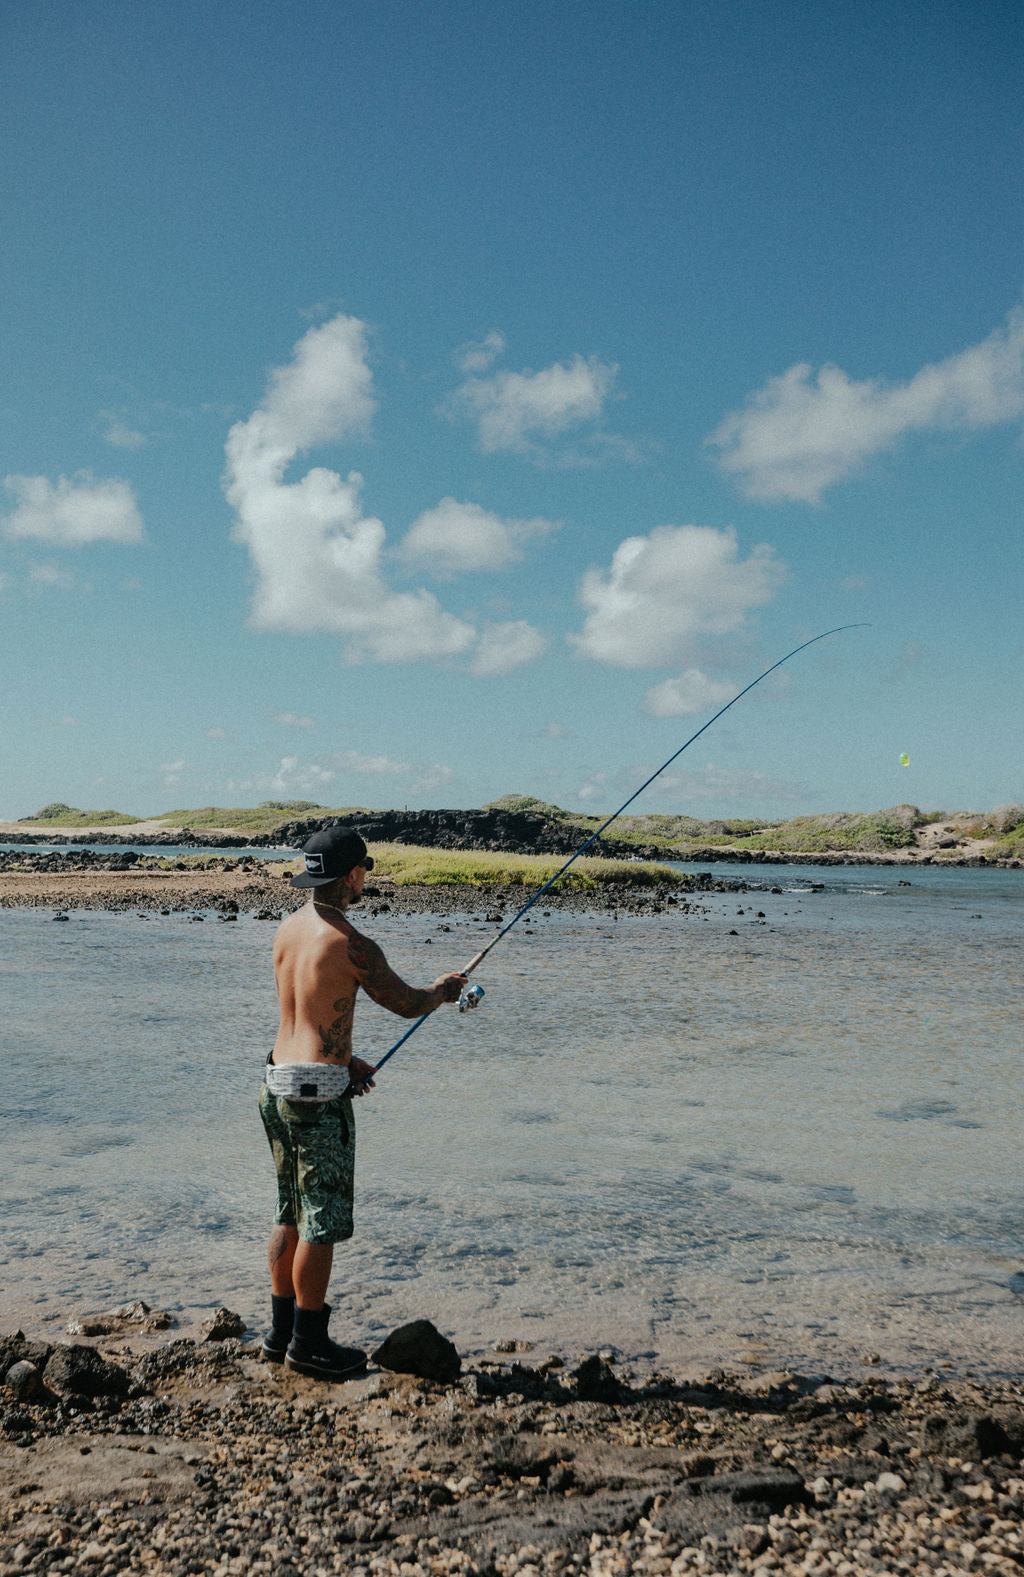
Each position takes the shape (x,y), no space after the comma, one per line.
(82,1371)
(420,1349)
(222,1325)
(25,1381)
(15,1349)
(595,1381)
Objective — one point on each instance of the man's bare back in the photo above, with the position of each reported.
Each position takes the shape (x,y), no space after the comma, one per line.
(320,962)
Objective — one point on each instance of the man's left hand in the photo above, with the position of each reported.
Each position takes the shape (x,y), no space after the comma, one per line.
(360,1075)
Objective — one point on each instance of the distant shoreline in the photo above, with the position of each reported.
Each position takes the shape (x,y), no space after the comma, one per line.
(929,849)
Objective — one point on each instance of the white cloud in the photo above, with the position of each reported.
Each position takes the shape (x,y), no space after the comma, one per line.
(430,778)
(50,575)
(713,783)
(289,720)
(357,761)
(119,434)
(172,766)
(293,776)
(556,731)
(216,733)
(801,433)
(503,647)
(478,355)
(73,511)
(317,556)
(455,537)
(664,591)
(594,787)
(693,691)
(513,409)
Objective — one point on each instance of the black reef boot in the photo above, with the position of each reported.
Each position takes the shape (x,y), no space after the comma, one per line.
(311,1350)
(275,1343)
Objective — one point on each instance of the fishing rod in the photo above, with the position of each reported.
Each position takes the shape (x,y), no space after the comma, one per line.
(472,995)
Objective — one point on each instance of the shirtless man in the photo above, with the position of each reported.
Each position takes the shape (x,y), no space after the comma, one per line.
(320,962)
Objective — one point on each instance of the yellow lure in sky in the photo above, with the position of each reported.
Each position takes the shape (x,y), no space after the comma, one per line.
(904,761)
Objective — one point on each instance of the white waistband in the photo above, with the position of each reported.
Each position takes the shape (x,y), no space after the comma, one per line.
(306,1081)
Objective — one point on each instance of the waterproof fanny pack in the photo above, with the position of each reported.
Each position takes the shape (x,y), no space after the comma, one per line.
(306,1081)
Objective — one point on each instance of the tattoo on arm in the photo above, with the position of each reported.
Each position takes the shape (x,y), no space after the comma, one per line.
(380,982)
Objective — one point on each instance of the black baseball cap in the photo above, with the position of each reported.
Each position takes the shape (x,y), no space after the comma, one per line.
(331,853)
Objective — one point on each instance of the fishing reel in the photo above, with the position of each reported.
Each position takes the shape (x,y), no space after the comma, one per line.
(470,998)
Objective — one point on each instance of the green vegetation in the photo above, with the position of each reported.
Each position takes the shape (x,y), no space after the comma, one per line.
(406,865)
(672,837)
(841,832)
(60,815)
(262,818)
(1006,826)
(680,835)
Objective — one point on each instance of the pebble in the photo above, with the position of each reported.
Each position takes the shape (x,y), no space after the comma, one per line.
(408,1477)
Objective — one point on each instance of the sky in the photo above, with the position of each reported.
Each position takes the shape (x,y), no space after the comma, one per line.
(408,405)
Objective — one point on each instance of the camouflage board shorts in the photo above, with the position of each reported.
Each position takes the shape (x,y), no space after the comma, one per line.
(314,1149)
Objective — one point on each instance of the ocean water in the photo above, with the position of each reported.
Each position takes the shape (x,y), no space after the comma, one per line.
(782,1128)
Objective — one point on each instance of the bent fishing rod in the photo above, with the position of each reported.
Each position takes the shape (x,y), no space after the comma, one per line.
(471,997)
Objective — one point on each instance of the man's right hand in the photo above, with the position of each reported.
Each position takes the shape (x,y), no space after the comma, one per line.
(451,986)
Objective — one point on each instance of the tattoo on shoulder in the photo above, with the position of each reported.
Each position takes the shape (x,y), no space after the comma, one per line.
(379,980)
(361,950)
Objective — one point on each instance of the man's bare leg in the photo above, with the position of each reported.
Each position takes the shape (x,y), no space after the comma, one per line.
(311,1272)
(280,1258)
(311,1350)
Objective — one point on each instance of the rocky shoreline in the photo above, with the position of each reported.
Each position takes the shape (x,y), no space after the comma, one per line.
(504,831)
(174,1456)
(81,879)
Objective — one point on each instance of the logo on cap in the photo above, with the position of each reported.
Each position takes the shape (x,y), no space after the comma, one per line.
(315,864)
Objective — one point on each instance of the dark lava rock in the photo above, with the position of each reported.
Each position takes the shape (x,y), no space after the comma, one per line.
(222,1325)
(983,1435)
(595,1381)
(84,1372)
(419,1348)
(776,1491)
(25,1381)
(15,1349)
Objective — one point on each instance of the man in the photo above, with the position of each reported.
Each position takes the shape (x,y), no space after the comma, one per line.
(320,962)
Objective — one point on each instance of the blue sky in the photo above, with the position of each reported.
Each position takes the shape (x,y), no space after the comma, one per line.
(406,405)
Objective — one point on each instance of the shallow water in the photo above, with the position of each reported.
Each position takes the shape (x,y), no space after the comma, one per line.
(697,1138)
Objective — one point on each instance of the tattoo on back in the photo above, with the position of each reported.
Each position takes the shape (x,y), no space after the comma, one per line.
(336,1039)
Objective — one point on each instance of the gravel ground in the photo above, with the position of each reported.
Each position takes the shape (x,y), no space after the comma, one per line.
(215,1462)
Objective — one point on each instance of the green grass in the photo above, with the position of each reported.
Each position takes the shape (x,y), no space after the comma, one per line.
(407,865)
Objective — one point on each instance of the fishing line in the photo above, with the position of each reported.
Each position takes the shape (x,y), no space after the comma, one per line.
(479,957)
